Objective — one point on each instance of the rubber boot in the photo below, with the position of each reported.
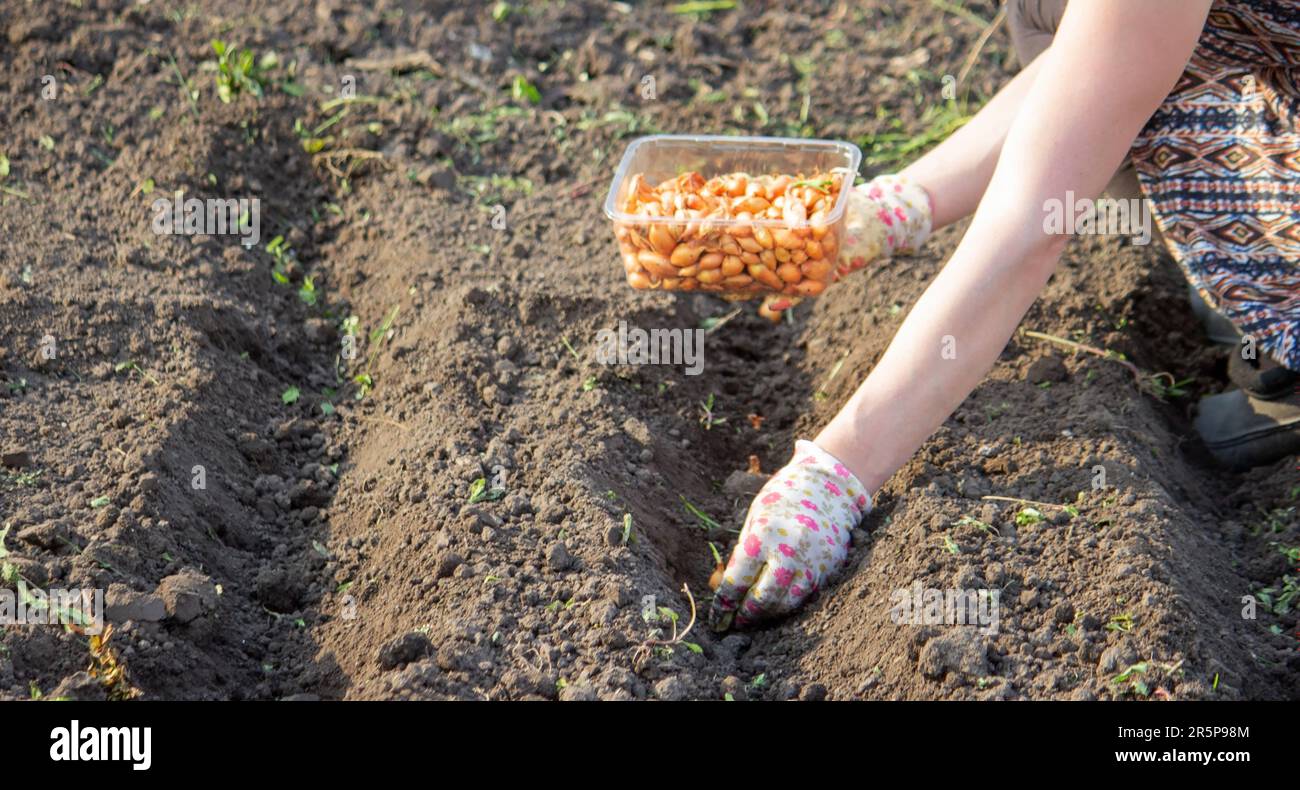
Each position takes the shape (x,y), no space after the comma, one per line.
(1242,431)
(1262,377)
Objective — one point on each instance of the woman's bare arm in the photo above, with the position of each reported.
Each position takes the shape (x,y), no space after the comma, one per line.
(956,172)
(1109,67)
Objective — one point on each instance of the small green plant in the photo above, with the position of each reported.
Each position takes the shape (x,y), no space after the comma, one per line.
(1028,517)
(239,71)
(1132,676)
(1165,386)
(628,537)
(897,145)
(707,416)
(1280,600)
(290,395)
(655,643)
(706,522)
(968,521)
(4,174)
(327,405)
(1120,622)
(490,191)
(363,380)
(1276,520)
(21,479)
(479,492)
(522,89)
(307,291)
(131,366)
(283,256)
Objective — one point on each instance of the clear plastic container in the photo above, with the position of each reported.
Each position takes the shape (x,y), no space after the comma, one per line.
(680,251)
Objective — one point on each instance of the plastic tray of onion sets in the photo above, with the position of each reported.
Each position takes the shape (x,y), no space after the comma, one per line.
(742,217)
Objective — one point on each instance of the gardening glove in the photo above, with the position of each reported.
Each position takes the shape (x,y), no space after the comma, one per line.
(795,536)
(888,215)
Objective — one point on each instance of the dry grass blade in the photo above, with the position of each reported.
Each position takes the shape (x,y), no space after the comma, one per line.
(1150,383)
(350,155)
(974,55)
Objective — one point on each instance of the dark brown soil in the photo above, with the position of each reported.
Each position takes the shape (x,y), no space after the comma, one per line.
(334,552)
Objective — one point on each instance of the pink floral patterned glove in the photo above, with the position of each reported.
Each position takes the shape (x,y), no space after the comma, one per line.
(796,534)
(888,215)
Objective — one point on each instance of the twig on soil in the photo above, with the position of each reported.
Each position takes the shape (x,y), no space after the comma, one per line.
(327,158)
(572,350)
(411,61)
(1147,382)
(400,63)
(979,45)
(714,326)
(821,393)
(960,12)
(384,420)
(1104,353)
(1025,502)
(582,189)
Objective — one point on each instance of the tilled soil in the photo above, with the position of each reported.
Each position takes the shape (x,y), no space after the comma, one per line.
(254,545)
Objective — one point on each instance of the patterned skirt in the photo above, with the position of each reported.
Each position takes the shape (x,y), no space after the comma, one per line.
(1220,163)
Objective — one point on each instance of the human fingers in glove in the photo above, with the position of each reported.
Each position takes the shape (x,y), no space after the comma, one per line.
(795,536)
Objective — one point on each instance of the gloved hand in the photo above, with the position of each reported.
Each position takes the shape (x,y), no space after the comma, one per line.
(887,215)
(796,534)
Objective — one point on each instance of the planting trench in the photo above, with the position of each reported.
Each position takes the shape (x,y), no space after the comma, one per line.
(338,555)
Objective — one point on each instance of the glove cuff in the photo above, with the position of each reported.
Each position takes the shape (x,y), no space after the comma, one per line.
(905,209)
(807,453)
